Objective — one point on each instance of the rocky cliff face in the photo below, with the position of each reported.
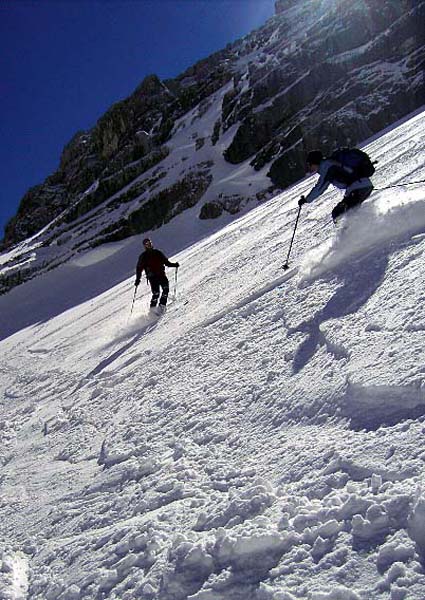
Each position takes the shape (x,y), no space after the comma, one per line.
(323,73)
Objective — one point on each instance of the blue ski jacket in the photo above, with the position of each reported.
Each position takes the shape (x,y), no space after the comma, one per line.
(331,172)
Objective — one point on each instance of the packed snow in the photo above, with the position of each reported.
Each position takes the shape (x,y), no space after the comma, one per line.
(263,440)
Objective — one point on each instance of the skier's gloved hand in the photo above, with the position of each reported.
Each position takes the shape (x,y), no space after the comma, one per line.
(136,283)
(302,201)
(177,265)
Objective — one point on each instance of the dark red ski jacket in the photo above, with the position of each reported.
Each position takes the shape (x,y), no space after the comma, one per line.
(153,262)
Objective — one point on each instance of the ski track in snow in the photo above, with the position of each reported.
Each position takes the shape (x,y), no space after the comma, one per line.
(263,440)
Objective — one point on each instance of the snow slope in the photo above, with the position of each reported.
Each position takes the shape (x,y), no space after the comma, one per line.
(261,441)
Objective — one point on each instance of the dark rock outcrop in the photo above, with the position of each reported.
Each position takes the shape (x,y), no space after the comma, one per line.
(127,141)
(159,209)
(357,69)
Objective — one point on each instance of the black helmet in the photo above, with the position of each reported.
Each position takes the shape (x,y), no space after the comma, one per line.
(314,157)
(147,241)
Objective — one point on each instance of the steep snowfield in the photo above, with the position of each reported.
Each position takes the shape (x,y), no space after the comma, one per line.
(264,440)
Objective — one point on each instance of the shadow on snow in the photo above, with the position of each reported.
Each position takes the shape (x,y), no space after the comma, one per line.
(360,279)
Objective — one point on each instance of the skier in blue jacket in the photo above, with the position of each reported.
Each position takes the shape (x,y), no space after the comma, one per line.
(357,188)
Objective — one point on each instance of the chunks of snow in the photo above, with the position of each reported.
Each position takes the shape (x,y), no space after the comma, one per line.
(338,593)
(14,571)
(416,525)
(252,501)
(395,551)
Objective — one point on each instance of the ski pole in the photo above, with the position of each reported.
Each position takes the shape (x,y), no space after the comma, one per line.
(134,298)
(286,265)
(400,184)
(175,283)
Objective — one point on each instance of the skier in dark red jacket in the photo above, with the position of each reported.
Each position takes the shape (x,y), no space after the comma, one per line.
(153,262)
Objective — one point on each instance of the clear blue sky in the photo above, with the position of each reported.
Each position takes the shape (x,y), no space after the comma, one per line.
(63,63)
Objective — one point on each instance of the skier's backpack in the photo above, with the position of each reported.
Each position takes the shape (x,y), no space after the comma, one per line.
(355,161)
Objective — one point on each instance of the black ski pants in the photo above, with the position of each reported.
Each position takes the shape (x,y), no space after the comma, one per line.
(351,200)
(157,282)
